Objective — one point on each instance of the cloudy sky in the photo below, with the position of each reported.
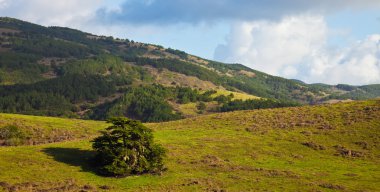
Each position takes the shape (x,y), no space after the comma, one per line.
(311,40)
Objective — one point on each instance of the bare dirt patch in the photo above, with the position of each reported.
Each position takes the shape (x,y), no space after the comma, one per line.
(67,186)
(6,30)
(247,73)
(207,184)
(332,186)
(344,152)
(314,146)
(48,61)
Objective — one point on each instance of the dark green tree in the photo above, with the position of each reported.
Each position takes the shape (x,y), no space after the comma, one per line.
(127,148)
(201,107)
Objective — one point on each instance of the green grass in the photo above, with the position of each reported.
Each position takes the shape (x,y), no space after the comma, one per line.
(188,109)
(51,129)
(258,150)
(237,95)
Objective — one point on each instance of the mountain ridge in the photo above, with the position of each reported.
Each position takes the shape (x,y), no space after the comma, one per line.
(31,55)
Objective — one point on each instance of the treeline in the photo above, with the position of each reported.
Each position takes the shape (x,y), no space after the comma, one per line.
(111,66)
(49,47)
(255,104)
(179,53)
(20,67)
(145,104)
(149,103)
(55,97)
(59,41)
(37,103)
(152,103)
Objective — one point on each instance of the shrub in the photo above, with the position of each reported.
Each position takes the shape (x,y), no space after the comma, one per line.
(127,148)
(201,107)
(11,135)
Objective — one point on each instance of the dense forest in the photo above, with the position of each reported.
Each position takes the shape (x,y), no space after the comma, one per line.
(55,97)
(151,103)
(66,95)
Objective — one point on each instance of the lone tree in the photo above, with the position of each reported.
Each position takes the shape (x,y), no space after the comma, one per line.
(127,148)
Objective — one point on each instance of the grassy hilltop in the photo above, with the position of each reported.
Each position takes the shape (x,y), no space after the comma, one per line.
(314,148)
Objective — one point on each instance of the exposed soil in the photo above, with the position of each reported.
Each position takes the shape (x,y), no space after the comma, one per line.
(68,186)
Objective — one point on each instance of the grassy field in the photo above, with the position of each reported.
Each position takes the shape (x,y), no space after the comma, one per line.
(50,129)
(313,148)
(237,95)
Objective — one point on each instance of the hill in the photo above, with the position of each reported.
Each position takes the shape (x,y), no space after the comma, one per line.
(56,71)
(331,147)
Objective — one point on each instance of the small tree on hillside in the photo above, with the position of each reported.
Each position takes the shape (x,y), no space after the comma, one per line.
(126,148)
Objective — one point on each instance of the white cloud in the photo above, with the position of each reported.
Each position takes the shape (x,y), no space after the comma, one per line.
(358,63)
(63,13)
(3,4)
(296,47)
(274,47)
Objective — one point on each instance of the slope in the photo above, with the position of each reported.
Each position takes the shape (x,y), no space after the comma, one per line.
(35,59)
(314,148)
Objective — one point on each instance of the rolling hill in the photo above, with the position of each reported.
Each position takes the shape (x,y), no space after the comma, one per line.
(331,147)
(56,71)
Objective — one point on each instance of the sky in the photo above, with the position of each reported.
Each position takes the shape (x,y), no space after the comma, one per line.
(316,41)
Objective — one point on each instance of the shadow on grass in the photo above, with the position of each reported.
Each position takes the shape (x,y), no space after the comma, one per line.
(74,157)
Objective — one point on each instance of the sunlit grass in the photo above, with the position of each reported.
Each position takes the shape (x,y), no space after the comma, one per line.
(257,150)
(237,95)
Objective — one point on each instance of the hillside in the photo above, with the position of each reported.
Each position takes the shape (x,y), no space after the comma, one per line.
(312,148)
(55,71)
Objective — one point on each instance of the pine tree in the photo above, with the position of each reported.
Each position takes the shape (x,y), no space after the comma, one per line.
(127,148)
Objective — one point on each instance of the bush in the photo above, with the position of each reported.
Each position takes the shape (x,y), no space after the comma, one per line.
(201,107)
(127,148)
(11,135)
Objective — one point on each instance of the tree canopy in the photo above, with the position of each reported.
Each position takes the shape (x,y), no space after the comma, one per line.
(126,148)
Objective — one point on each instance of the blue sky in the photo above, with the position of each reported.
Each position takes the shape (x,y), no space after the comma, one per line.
(314,41)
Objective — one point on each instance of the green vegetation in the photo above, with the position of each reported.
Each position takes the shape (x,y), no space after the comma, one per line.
(11,135)
(310,148)
(149,103)
(19,68)
(127,148)
(39,130)
(179,66)
(55,97)
(254,104)
(201,107)
(58,71)
(179,53)
(49,47)
(152,103)
(358,93)
(104,65)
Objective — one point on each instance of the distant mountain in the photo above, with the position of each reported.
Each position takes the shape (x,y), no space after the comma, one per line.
(59,71)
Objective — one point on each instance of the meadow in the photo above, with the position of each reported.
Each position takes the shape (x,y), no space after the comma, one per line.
(333,147)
